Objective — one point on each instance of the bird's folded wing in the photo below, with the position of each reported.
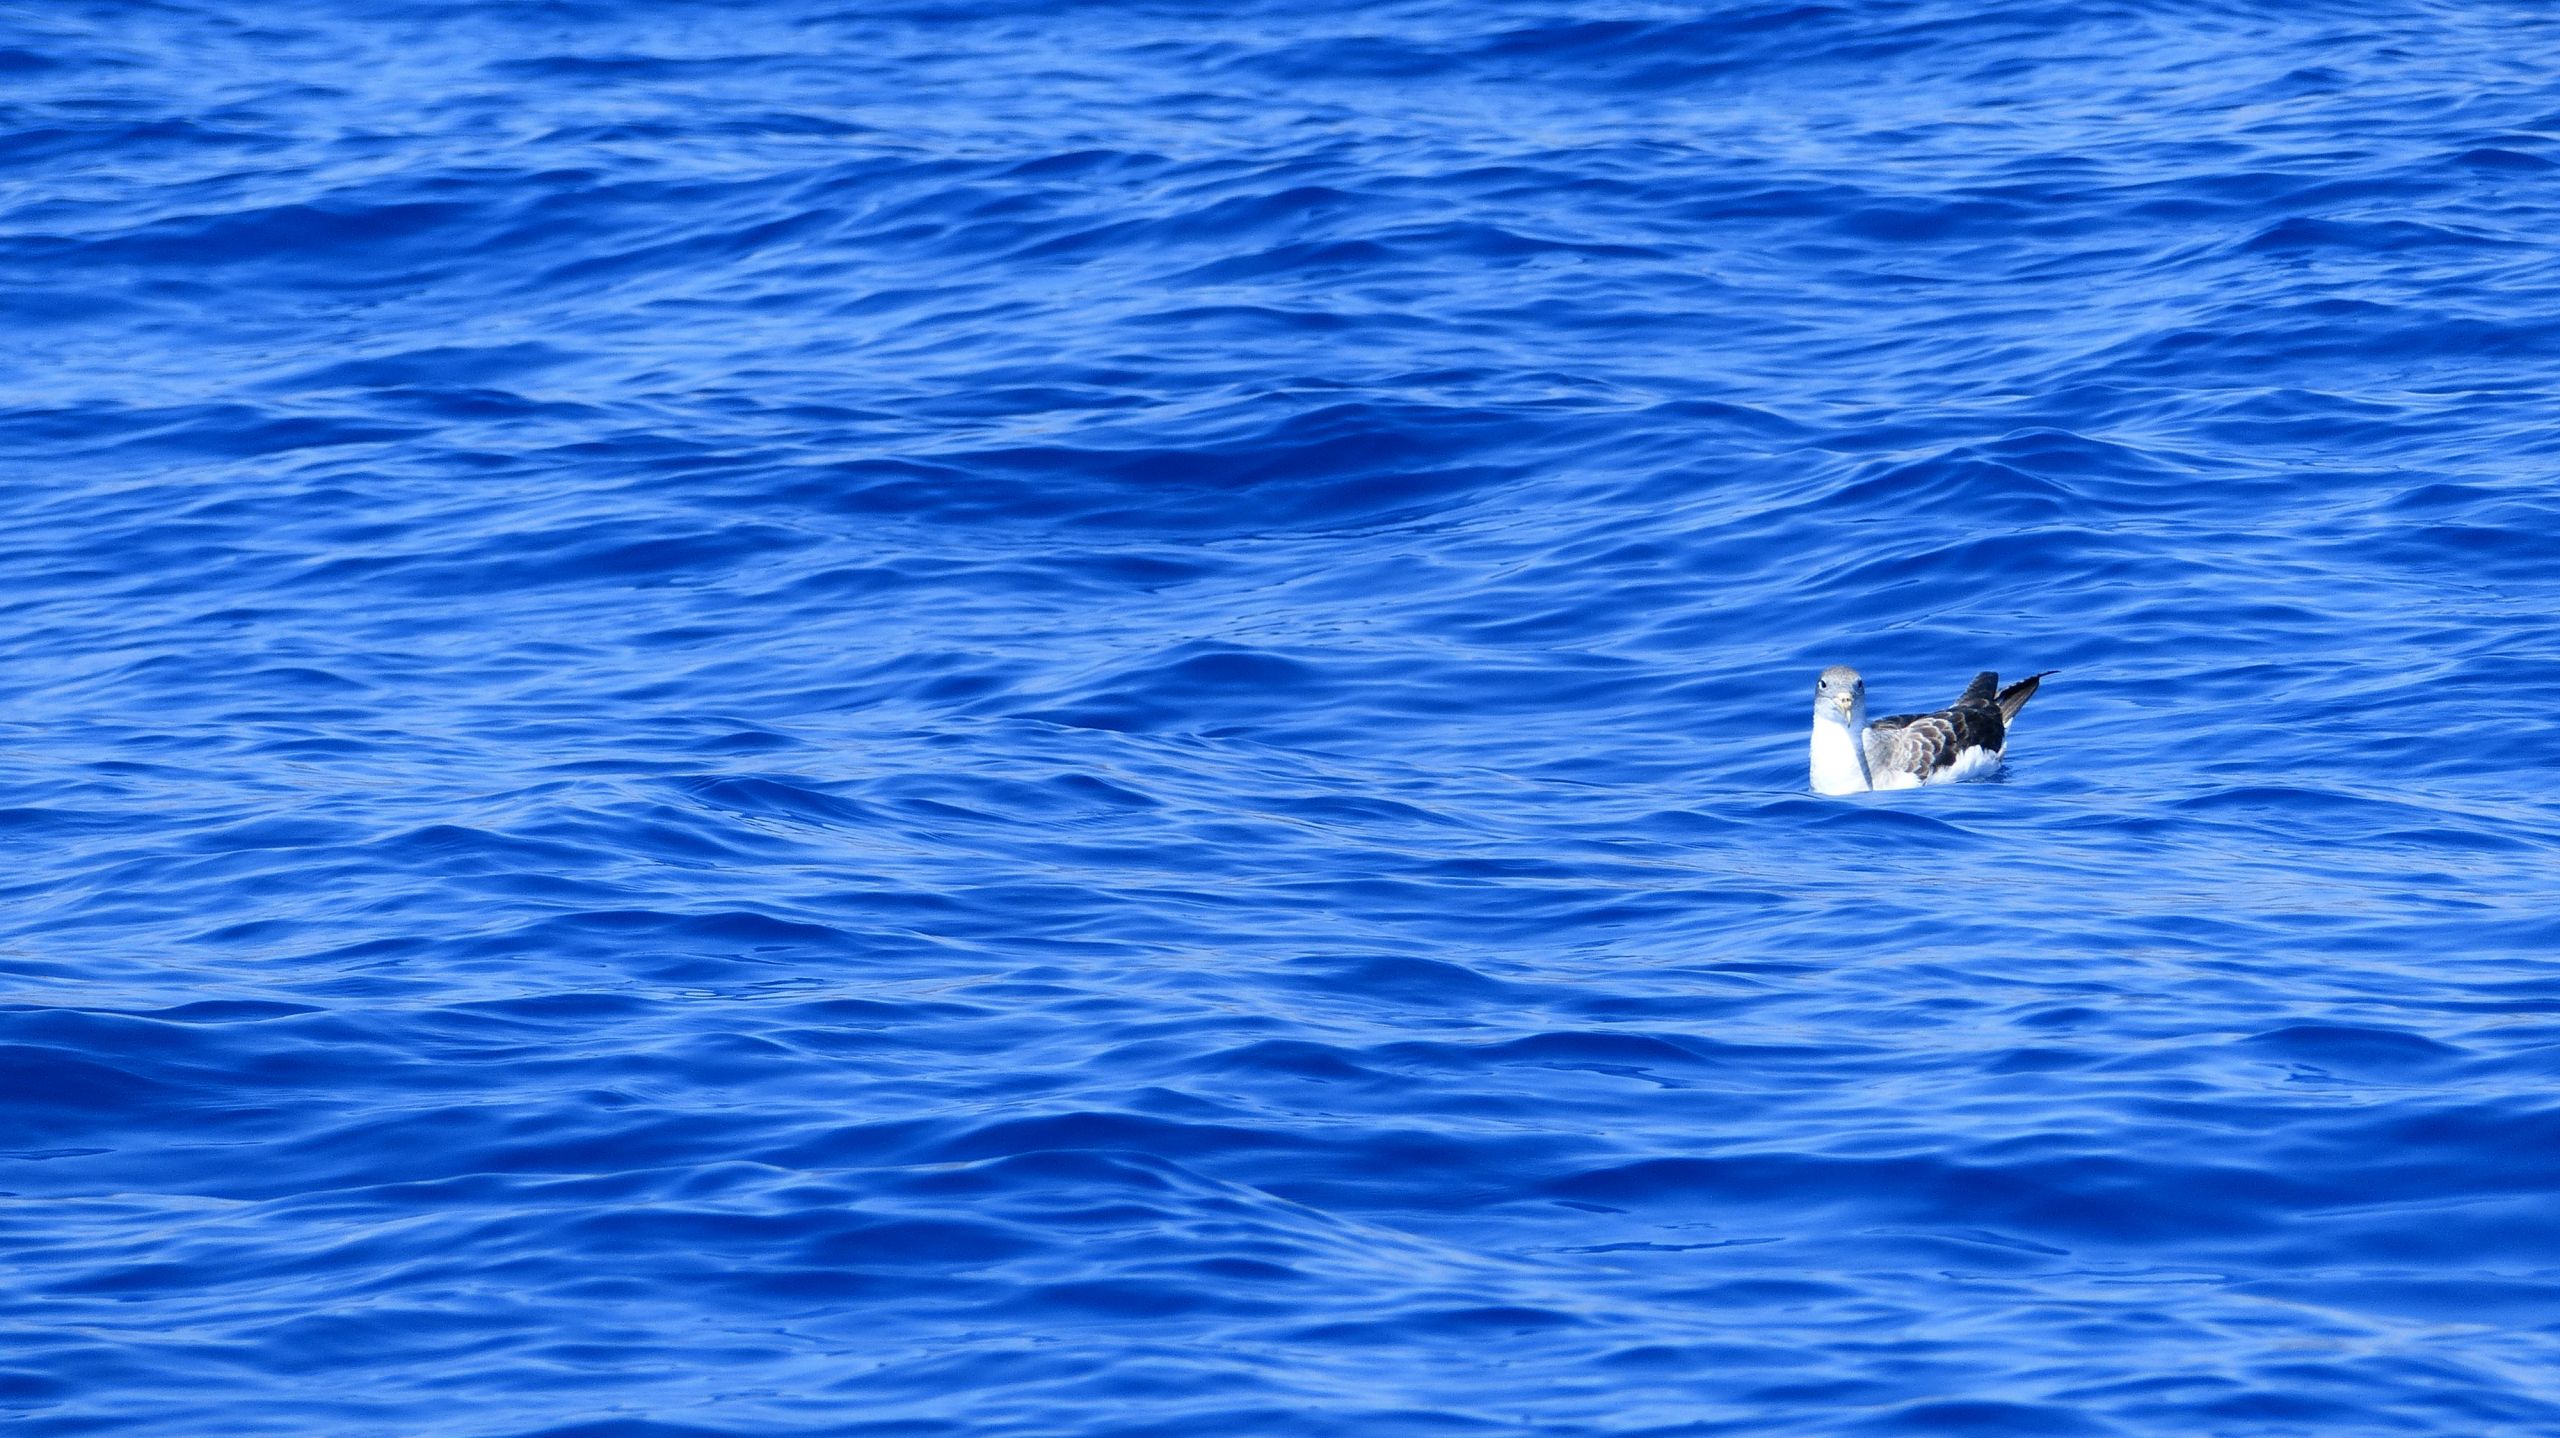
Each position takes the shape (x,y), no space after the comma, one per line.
(1923,744)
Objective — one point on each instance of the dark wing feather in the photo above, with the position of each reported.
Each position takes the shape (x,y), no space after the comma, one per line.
(1984,689)
(2015,697)
(1923,744)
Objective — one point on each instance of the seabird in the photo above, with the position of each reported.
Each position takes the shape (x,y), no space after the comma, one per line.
(1962,741)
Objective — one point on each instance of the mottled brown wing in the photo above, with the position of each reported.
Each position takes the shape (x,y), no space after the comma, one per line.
(1923,744)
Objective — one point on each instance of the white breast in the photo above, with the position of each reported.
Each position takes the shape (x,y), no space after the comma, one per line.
(1839,762)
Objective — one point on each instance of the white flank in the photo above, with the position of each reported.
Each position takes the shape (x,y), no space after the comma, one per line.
(1901,779)
(1974,763)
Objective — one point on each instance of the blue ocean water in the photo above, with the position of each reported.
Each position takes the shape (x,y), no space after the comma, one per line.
(782,718)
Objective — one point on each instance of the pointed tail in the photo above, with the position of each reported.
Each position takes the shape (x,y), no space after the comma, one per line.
(2015,697)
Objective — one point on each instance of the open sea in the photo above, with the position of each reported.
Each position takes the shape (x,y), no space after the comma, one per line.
(972,719)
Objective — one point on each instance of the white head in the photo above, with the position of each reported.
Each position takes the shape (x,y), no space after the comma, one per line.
(1840,697)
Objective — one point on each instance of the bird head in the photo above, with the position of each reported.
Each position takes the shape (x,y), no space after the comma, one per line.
(1840,696)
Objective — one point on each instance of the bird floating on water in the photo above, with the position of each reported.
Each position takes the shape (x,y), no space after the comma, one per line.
(1962,741)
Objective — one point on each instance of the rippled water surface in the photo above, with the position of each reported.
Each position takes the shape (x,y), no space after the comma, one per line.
(778,718)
